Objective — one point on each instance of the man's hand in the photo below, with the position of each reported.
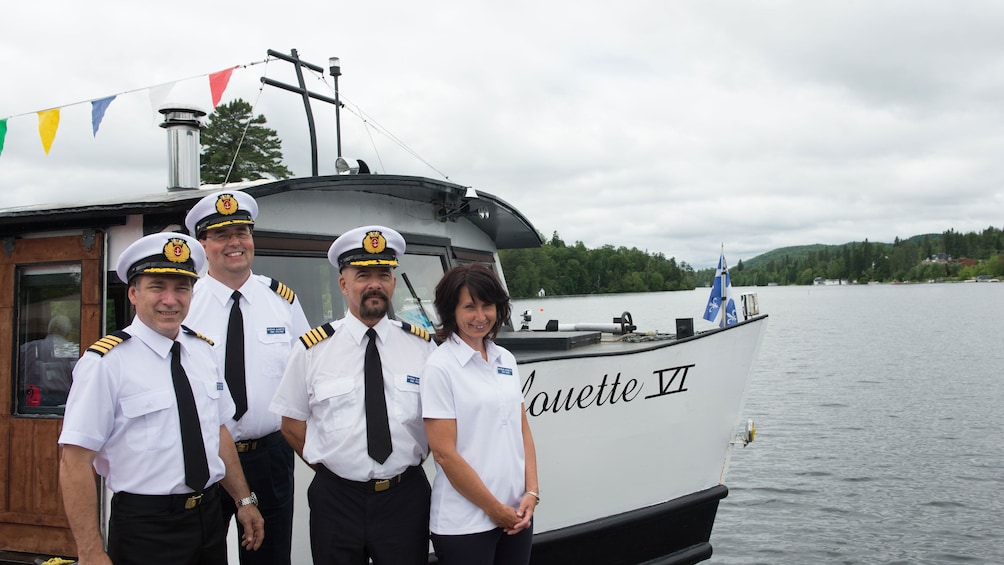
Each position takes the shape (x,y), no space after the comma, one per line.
(254,527)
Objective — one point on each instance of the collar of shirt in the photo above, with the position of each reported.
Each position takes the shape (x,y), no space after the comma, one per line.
(357,329)
(465,353)
(158,343)
(222,292)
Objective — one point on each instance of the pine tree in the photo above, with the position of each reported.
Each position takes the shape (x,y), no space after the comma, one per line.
(260,153)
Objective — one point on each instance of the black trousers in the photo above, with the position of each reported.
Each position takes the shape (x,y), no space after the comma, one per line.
(351,523)
(269,472)
(494,547)
(159,529)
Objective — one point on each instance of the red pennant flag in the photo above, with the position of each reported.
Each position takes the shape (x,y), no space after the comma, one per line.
(218,83)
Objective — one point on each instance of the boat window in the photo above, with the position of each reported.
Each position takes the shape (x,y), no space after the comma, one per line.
(313,279)
(315,282)
(417,277)
(47,338)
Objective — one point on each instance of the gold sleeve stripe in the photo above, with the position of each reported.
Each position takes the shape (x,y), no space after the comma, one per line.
(190,331)
(316,335)
(283,291)
(415,330)
(105,344)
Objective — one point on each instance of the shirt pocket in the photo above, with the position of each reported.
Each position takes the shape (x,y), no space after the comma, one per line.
(337,402)
(407,398)
(273,350)
(148,415)
(210,415)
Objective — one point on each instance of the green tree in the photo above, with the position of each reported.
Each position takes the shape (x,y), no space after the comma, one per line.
(258,151)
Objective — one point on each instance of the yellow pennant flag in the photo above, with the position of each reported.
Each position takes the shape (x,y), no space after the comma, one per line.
(48,123)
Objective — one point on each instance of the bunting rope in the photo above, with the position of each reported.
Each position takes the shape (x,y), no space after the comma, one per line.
(218,81)
(48,119)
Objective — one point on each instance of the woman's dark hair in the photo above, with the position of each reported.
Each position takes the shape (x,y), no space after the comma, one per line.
(483,285)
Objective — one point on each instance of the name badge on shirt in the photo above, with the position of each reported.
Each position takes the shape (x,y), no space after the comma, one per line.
(219,385)
(412,379)
(279,330)
(505,371)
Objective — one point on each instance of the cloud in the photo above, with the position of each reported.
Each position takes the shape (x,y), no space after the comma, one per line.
(672,127)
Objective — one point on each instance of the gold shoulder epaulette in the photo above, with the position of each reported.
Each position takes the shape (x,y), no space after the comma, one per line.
(416,331)
(190,331)
(105,344)
(317,335)
(283,291)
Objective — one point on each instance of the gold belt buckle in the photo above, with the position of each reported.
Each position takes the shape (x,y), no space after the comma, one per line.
(381,486)
(193,501)
(242,446)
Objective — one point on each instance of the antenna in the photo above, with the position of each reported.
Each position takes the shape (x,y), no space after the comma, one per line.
(294,58)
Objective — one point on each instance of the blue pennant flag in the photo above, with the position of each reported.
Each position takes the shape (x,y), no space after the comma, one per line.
(98,108)
(721,293)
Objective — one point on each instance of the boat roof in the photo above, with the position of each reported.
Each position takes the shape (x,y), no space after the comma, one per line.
(504,224)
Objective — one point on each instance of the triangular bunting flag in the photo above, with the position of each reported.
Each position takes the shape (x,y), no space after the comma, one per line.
(98,108)
(158,95)
(48,123)
(3,132)
(218,83)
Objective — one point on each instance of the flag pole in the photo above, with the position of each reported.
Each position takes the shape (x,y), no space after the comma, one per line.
(721,290)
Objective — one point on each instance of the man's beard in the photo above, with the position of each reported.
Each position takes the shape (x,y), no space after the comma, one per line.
(373,312)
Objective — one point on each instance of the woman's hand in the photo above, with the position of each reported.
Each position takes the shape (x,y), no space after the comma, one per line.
(527,505)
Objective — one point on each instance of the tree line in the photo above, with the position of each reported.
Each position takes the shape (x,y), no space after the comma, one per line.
(561,269)
(233,130)
(939,257)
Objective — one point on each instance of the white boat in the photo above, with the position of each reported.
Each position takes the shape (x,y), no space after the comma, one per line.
(633,433)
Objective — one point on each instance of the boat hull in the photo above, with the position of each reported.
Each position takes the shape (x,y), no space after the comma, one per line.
(633,442)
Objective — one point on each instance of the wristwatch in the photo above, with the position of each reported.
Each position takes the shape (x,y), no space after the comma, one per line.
(253,499)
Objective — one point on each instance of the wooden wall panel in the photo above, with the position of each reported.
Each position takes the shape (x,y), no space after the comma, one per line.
(32,515)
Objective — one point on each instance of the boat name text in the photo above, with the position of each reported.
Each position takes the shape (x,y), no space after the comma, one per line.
(605,393)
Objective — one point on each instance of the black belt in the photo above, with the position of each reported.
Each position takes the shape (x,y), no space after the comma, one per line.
(244,446)
(373,485)
(167,502)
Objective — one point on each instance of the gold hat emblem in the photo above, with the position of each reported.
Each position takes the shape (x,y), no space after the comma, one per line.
(374,242)
(226,204)
(177,250)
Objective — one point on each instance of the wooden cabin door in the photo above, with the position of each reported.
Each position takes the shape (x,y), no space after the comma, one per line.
(50,311)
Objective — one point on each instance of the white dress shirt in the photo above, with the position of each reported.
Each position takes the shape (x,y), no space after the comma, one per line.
(271,325)
(324,386)
(122,405)
(485,398)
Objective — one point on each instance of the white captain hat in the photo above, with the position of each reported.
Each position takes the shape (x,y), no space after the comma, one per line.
(367,246)
(221,209)
(165,253)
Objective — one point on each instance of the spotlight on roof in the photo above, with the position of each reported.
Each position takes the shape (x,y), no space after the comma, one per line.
(345,166)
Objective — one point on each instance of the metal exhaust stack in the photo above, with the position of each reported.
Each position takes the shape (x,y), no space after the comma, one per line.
(183,125)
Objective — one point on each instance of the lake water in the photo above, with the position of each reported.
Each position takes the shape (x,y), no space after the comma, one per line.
(879,423)
(879,419)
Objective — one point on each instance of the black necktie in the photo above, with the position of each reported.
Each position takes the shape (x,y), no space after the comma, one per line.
(196,467)
(234,365)
(377,427)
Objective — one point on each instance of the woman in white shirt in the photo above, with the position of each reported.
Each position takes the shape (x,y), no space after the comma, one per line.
(485,490)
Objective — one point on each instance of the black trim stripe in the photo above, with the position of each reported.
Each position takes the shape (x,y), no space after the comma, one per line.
(317,335)
(190,331)
(283,291)
(105,344)
(415,330)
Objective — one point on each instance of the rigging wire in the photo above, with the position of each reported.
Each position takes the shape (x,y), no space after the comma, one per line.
(247,125)
(368,122)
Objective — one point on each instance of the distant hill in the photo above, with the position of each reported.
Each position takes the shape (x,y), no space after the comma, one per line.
(802,252)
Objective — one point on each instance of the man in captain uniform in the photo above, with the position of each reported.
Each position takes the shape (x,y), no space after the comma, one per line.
(350,406)
(146,411)
(254,321)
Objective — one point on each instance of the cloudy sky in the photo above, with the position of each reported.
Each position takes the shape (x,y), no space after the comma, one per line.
(674,127)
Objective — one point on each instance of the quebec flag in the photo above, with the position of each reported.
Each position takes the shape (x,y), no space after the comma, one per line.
(721,292)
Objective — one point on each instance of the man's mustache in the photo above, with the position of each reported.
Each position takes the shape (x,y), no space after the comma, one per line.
(376,294)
